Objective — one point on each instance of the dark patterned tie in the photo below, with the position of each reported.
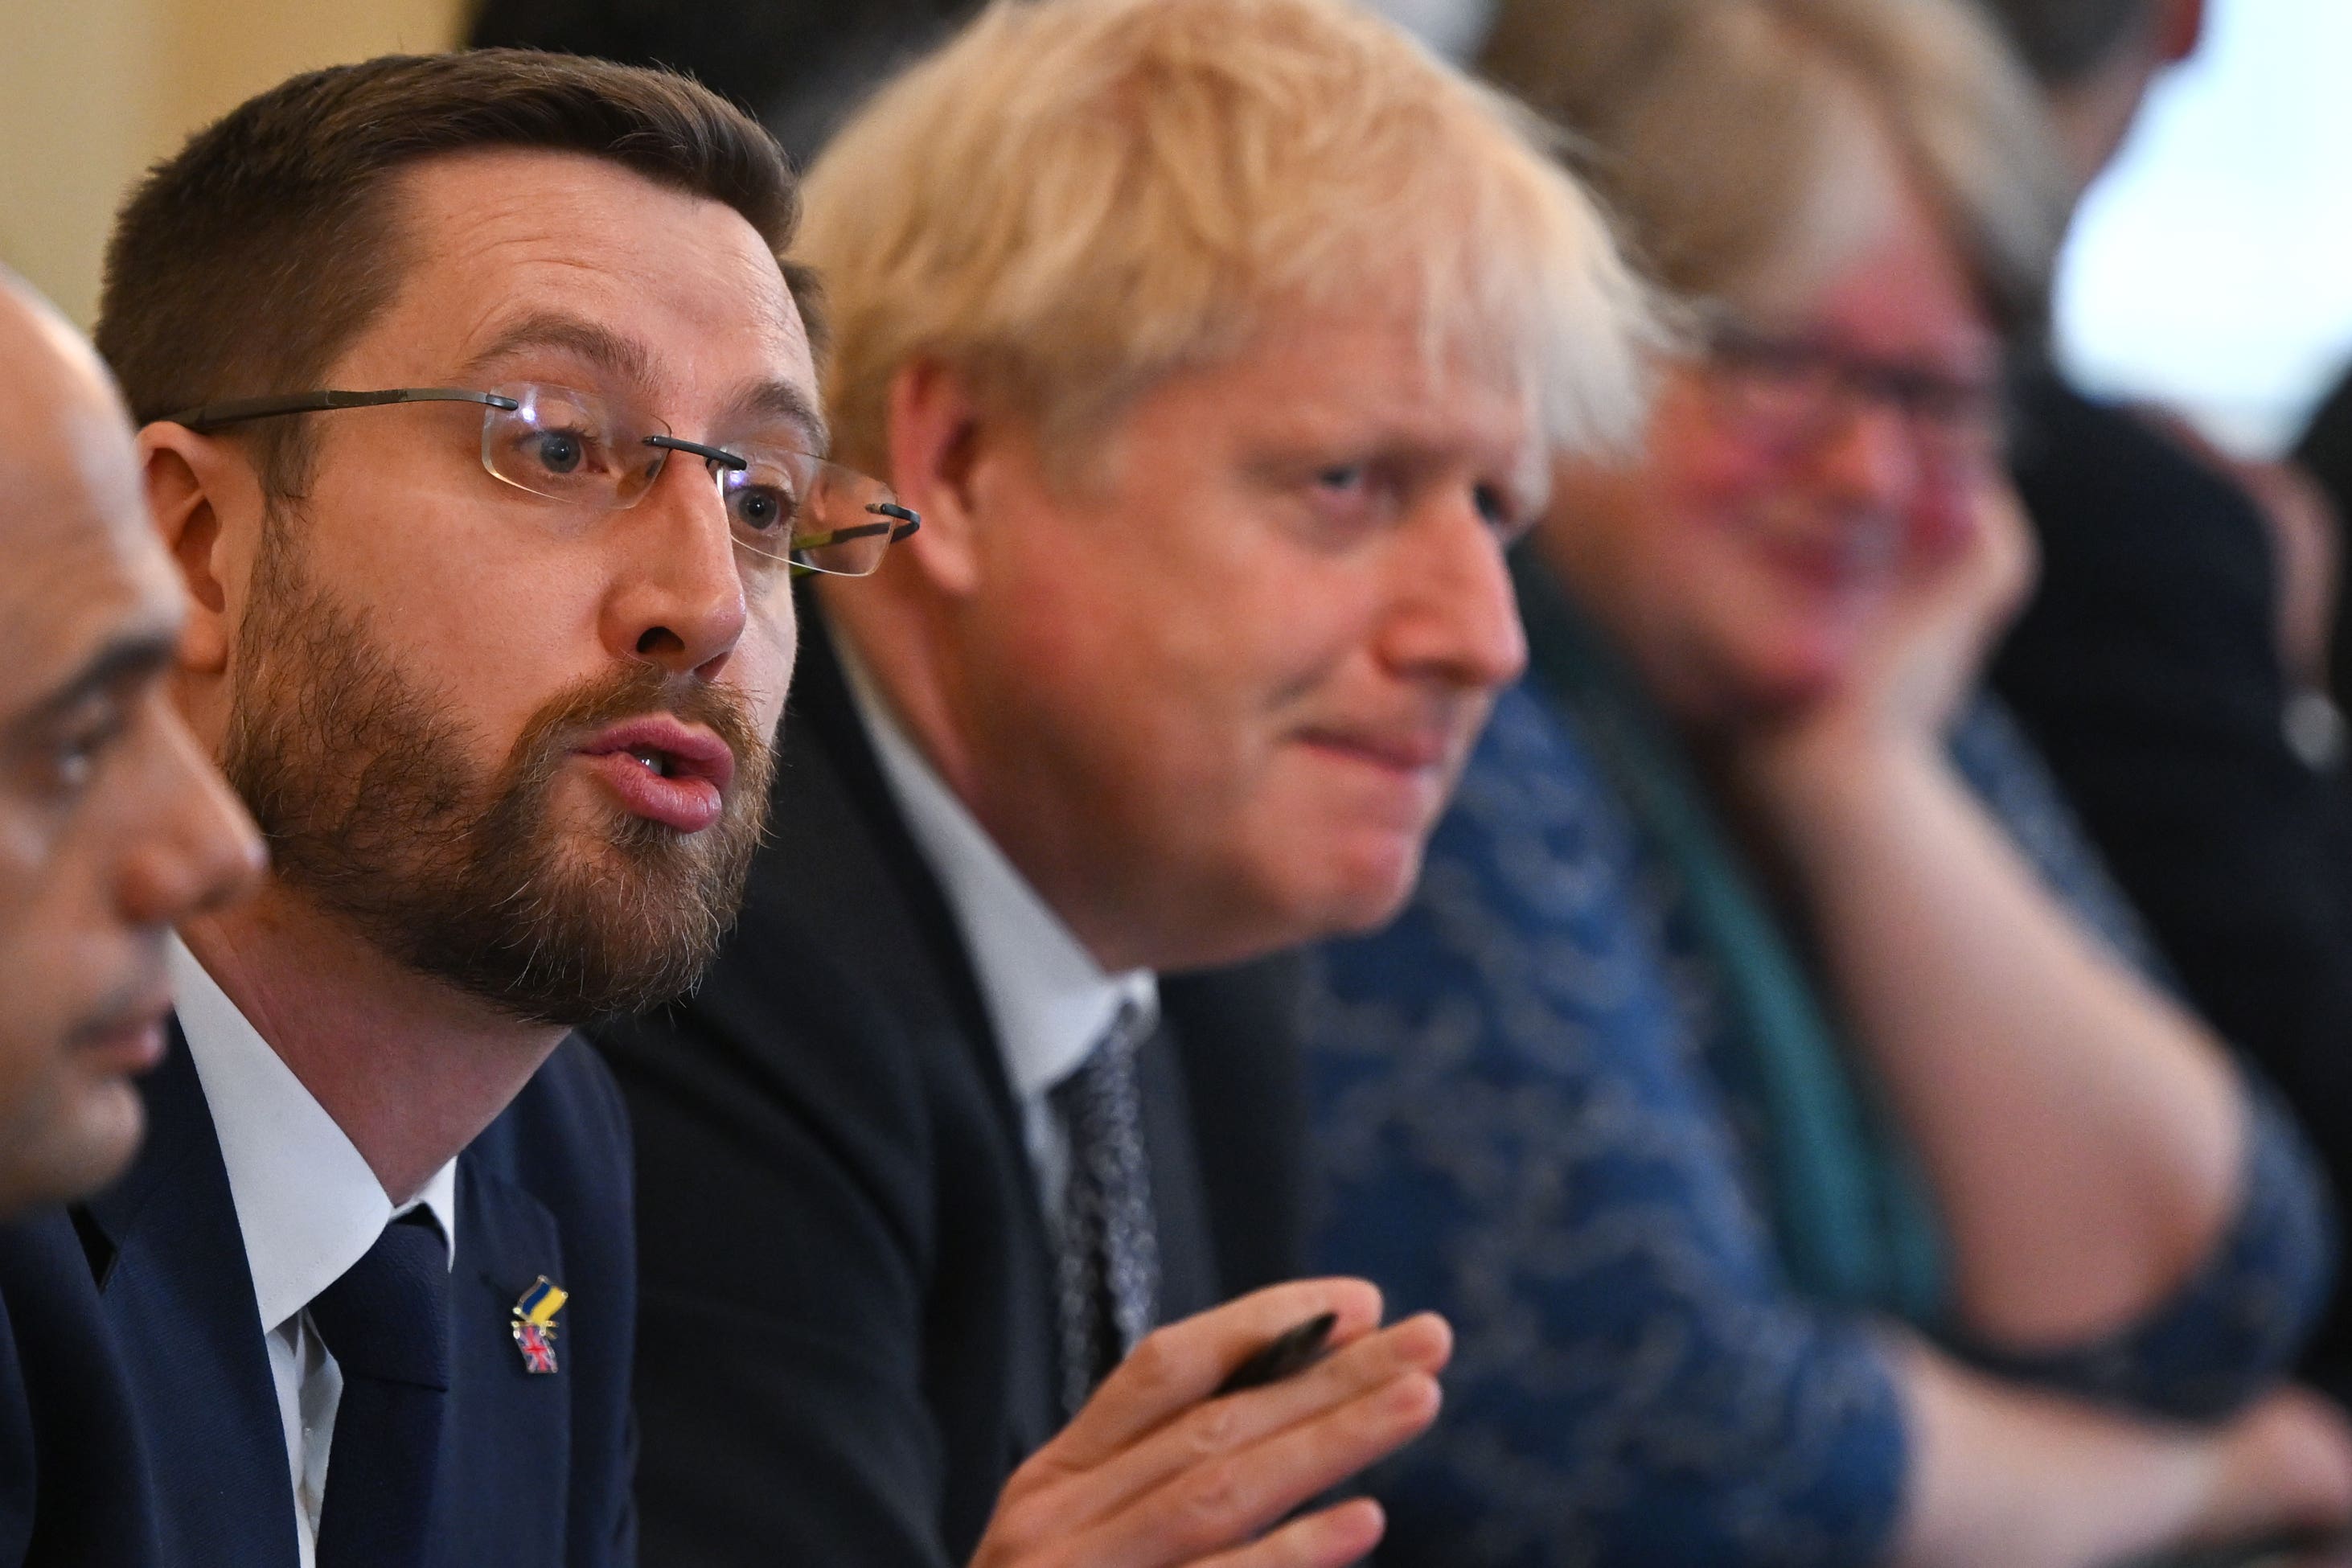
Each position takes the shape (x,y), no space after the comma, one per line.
(1110,1263)
(386,1323)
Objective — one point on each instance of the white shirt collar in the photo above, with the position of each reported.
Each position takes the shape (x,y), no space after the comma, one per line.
(306,1201)
(1050,1001)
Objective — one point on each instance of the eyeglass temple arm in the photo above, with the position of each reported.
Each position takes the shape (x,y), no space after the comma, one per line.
(908,520)
(210,415)
(865,531)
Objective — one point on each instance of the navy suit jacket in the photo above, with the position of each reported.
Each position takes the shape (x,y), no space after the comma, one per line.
(137,1411)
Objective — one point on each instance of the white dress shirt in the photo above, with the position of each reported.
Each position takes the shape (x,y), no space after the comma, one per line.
(1047,998)
(309,1207)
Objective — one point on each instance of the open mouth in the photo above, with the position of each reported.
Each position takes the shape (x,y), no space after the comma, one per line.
(665,770)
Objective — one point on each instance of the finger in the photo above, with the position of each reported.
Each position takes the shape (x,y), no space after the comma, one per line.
(1219,1426)
(1215,1505)
(1177,1366)
(1331,1539)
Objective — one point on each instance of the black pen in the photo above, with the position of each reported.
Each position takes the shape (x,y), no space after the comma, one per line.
(1293,1350)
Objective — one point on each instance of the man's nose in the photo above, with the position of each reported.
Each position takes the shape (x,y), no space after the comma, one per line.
(676,596)
(1868,455)
(1456,617)
(194,847)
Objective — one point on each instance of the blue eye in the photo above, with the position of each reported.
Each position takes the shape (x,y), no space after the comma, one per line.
(761,509)
(1346,476)
(1503,513)
(1495,508)
(763,502)
(562,452)
(558,451)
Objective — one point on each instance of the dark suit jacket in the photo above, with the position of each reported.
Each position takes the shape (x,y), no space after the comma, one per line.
(2146,670)
(2325,450)
(143,1379)
(847,1339)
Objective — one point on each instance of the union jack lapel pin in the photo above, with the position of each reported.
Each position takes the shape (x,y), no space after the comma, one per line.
(534,1324)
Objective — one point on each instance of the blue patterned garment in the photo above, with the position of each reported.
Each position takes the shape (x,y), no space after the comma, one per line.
(1522,1125)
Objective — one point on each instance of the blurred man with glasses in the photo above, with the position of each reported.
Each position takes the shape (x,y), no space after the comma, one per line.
(480,424)
(1220,344)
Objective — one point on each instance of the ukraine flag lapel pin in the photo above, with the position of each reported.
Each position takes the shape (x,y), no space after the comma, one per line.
(534,1324)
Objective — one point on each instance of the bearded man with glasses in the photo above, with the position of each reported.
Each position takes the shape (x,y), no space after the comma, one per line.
(418,344)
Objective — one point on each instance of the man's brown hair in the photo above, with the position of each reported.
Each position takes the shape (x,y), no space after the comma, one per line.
(245,264)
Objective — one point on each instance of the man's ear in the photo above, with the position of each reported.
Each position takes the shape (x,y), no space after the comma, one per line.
(936,435)
(2184,28)
(194,483)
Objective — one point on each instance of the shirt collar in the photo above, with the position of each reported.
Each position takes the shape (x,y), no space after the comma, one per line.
(1050,1001)
(306,1201)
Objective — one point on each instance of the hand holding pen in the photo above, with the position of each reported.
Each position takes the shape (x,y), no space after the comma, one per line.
(1197,1447)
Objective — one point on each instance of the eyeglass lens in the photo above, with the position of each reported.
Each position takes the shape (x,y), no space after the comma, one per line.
(1793,394)
(783,506)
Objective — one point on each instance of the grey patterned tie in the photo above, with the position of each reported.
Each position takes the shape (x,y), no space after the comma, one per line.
(1110,1263)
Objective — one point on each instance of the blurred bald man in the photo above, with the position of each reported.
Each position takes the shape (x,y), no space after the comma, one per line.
(2160,665)
(112,827)
(113,824)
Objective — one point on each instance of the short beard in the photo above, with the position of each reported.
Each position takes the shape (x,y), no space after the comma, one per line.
(363,784)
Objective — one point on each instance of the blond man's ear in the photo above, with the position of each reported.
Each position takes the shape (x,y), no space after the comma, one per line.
(936,440)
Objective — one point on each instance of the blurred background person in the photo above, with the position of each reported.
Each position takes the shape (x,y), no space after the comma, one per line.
(801,66)
(2171,663)
(1765,1078)
(112,827)
(2323,452)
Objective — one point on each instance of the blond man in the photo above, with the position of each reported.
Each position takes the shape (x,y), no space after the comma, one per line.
(1220,343)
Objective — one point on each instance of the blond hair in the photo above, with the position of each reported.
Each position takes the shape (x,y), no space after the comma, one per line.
(1720,129)
(1074,198)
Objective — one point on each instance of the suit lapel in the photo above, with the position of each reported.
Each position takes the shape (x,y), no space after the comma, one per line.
(826,751)
(828,734)
(506,1481)
(1237,1052)
(170,1263)
(1187,1272)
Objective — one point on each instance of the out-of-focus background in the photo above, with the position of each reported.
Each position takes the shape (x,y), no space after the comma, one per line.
(2212,270)
(92,91)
